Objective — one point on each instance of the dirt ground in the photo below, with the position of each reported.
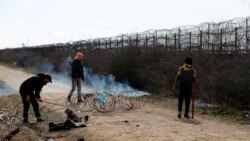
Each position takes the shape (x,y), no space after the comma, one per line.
(150,123)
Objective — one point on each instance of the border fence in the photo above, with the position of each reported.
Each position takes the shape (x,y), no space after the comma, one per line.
(149,60)
(224,37)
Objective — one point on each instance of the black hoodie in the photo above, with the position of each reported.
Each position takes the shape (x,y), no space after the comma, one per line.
(32,84)
(77,69)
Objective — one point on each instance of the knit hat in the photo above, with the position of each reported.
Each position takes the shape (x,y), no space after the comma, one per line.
(188,60)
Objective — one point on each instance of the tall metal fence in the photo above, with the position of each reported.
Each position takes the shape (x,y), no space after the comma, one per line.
(224,37)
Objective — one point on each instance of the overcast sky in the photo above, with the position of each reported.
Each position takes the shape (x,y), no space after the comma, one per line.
(36,22)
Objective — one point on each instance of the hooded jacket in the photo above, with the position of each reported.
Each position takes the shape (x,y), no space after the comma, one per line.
(77,69)
(186,73)
(31,85)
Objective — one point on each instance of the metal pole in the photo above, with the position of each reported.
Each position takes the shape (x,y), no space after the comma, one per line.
(247,39)
(235,39)
(190,37)
(200,48)
(166,42)
(179,39)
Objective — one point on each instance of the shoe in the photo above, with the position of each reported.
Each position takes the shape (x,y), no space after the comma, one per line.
(179,115)
(25,121)
(79,101)
(186,116)
(69,98)
(86,118)
(40,120)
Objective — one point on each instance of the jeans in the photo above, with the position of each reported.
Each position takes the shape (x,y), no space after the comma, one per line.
(76,83)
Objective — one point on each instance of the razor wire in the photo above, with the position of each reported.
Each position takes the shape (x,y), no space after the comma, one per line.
(128,100)
(223,37)
(107,102)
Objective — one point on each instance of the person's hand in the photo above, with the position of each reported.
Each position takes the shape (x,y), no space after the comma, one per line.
(174,89)
(28,98)
(40,100)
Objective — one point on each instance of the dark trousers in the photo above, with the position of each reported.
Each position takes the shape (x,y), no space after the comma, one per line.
(185,93)
(26,106)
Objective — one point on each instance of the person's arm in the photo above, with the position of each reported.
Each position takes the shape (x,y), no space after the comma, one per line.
(37,93)
(80,70)
(194,76)
(82,75)
(177,79)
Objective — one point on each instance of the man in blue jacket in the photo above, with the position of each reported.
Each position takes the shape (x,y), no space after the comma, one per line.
(30,91)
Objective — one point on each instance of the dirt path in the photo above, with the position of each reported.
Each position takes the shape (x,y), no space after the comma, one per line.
(150,123)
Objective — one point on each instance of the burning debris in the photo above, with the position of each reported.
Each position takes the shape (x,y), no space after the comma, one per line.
(73,121)
(11,134)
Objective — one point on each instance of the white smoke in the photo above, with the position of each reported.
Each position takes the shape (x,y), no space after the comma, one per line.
(61,82)
(107,83)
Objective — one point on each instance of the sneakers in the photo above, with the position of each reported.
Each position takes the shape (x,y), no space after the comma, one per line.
(79,100)
(86,118)
(179,115)
(69,98)
(40,120)
(186,116)
(25,121)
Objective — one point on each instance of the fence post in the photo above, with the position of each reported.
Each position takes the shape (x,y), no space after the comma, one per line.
(200,48)
(99,44)
(130,41)
(136,40)
(153,41)
(122,41)
(220,41)
(156,38)
(110,42)
(175,42)
(106,44)
(235,40)
(247,39)
(89,45)
(166,42)
(179,39)
(117,43)
(208,38)
(190,44)
(146,42)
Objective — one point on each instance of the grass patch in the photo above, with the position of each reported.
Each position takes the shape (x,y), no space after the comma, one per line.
(11,100)
(164,100)
(225,114)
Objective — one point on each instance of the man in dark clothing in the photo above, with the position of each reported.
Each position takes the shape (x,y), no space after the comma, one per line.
(76,76)
(185,77)
(30,91)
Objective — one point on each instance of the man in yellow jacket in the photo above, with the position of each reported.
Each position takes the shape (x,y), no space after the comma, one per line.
(185,78)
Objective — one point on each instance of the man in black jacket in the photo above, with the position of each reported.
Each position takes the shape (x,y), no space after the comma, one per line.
(185,78)
(30,91)
(77,76)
